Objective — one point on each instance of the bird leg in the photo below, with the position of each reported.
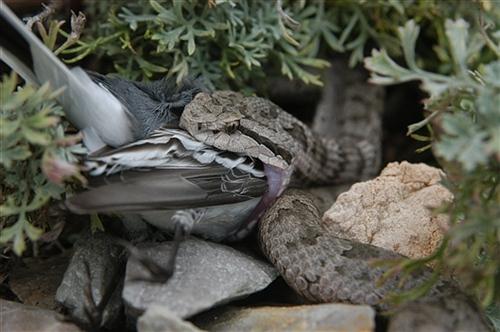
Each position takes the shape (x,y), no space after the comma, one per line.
(184,220)
(95,311)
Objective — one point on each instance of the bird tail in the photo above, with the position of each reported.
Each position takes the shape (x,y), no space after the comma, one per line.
(88,106)
(18,47)
(21,67)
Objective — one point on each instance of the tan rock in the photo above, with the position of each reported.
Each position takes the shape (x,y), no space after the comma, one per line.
(319,317)
(394,210)
(159,318)
(19,317)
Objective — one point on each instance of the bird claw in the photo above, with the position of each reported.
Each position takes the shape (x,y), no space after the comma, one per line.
(155,273)
(93,311)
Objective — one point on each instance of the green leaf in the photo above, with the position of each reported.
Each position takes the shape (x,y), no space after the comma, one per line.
(398,5)
(35,136)
(494,142)
(408,35)
(191,43)
(19,243)
(463,141)
(15,233)
(435,88)
(332,41)
(32,232)
(492,74)
(9,208)
(7,86)
(8,127)
(96,223)
(42,119)
(457,33)
(493,313)
(8,156)
(385,70)
(16,100)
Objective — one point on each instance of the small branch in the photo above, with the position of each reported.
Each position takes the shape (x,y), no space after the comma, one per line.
(77,26)
(290,22)
(284,20)
(483,26)
(53,6)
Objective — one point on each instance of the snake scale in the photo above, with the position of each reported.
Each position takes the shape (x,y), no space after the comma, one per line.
(316,264)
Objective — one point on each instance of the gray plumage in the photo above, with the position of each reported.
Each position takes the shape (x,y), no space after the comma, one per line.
(152,104)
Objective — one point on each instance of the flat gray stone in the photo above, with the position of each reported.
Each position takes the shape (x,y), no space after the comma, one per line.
(105,260)
(207,274)
(19,317)
(161,319)
(319,317)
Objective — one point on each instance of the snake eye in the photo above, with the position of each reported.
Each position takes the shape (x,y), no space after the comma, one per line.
(231,127)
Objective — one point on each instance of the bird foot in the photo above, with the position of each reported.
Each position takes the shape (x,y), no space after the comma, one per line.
(184,221)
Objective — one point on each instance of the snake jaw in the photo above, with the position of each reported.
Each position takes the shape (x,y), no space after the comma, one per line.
(277,181)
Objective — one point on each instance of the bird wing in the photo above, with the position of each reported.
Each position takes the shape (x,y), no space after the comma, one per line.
(169,170)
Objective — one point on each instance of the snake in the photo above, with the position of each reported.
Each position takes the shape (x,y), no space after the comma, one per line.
(319,266)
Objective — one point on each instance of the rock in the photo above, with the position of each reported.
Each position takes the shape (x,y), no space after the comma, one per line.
(35,283)
(161,319)
(106,262)
(393,211)
(134,228)
(320,317)
(326,196)
(454,312)
(206,274)
(19,317)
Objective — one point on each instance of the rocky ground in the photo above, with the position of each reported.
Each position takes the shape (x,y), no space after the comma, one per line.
(217,287)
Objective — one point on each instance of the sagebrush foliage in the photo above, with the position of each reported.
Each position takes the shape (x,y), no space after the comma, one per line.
(464,123)
(33,147)
(235,44)
(36,153)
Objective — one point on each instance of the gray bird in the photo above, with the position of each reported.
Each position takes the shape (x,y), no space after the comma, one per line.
(140,166)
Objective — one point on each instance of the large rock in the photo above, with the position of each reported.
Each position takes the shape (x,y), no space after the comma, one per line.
(207,274)
(321,317)
(161,319)
(106,261)
(447,313)
(394,211)
(18,317)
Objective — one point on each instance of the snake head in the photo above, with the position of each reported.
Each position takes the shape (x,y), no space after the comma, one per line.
(212,112)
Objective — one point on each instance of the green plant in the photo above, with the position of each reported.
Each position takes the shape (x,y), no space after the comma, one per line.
(236,44)
(464,131)
(35,158)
